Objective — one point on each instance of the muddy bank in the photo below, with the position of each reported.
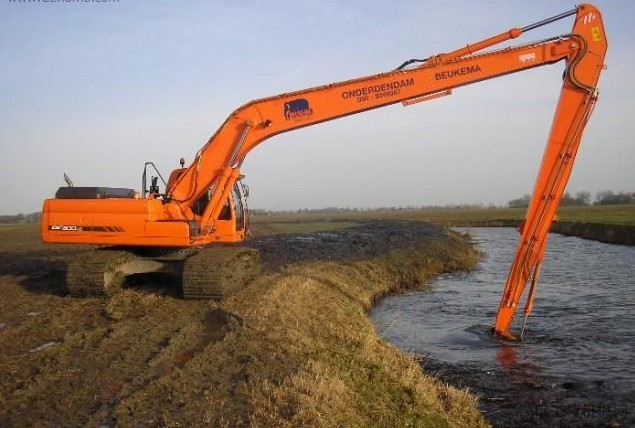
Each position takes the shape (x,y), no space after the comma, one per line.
(293,348)
(514,398)
(622,234)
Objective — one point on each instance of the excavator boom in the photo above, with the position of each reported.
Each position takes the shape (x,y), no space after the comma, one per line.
(204,202)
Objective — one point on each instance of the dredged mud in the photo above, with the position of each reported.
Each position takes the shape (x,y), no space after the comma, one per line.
(366,240)
(514,398)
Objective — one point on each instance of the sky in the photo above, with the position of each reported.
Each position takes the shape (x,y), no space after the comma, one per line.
(95,89)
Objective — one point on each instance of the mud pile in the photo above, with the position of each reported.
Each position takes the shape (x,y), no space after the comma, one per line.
(366,240)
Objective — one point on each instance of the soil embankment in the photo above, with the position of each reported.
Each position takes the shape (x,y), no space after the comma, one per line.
(608,233)
(293,348)
(622,234)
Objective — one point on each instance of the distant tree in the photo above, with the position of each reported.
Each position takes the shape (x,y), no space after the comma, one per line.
(567,200)
(15,218)
(583,197)
(607,197)
(520,202)
(603,195)
(21,218)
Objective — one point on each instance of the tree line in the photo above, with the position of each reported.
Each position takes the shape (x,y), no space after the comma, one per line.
(604,197)
(21,218)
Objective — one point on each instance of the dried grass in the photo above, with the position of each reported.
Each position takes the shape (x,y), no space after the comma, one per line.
(302,352)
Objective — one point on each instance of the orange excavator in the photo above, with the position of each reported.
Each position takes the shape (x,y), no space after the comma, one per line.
(203,205)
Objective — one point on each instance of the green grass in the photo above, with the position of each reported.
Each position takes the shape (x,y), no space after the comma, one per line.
(613,214)
(603,214)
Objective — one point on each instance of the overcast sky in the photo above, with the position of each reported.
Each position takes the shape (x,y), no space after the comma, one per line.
(96,89)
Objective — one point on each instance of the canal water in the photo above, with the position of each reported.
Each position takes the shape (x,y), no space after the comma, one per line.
(575,365)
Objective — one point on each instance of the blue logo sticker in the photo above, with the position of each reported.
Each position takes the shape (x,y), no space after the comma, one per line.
(297,109)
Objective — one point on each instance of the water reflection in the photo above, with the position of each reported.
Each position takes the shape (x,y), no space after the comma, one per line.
(507,357)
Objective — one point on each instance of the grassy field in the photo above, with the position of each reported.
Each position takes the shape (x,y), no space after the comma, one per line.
(603,214)
(612,214)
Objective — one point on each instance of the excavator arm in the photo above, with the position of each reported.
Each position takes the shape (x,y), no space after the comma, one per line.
(583,50)
(261,119)
(577,100)
(201,200)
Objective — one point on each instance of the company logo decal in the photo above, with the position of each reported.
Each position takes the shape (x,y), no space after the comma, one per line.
(457,72)
(297,109)
(383,90)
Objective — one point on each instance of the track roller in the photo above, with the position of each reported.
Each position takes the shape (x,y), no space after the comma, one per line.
(96,273)
(219,271)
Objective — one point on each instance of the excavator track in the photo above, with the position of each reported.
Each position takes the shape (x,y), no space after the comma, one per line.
(96,273)
(218,272)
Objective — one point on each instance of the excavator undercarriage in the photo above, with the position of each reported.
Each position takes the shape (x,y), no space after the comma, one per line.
(206,272)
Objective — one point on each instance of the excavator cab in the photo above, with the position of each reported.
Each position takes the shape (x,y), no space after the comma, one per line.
(232,217)
(230,222)
(240,194)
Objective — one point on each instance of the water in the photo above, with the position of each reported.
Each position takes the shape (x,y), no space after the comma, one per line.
(575,363)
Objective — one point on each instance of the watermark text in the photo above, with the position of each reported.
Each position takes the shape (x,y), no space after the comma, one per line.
(64,1)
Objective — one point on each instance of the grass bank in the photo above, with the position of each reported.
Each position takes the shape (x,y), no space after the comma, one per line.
(306,353)
(294,348)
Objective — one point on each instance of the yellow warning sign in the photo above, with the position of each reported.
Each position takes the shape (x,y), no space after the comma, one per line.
(596,35)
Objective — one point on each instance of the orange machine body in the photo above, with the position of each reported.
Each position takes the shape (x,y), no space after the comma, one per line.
(205,202)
